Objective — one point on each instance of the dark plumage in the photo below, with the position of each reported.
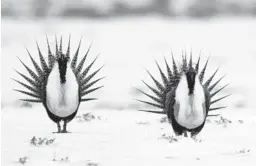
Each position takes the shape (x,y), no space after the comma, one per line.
(62,62)
(183,96)
(59,85)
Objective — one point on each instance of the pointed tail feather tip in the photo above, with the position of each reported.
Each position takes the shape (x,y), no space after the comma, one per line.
(198,63)
(217,108)
(159,101)
(164,78)
(213,115)
(86,70)
(36,91)
(68,49)
(85,80)
(216,83)
(201,76)
(158,93)
(28,93)
(158,84)
(91,90)
(31,100)
(42,60)
(216,92)
(155,112)
(81,63)
(221,98)
(208,82)
(152,104)
(88,99)
(87,86)
(28,79)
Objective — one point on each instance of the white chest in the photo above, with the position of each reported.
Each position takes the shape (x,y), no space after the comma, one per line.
(189,110)
(62,99)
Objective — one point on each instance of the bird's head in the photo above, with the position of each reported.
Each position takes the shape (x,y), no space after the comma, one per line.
(62,60)
(189,76)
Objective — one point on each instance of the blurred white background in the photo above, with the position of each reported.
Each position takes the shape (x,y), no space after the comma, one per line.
(130,35)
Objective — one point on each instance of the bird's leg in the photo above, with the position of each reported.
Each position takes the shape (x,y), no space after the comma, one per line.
(64,127)
(185,134)
(190,135)
(58,125)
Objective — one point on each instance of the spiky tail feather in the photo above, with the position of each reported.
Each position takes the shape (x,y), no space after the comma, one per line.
(171,80)
(38,78)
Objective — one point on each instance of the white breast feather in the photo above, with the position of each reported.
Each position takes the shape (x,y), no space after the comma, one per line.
(191,113)
(62,99)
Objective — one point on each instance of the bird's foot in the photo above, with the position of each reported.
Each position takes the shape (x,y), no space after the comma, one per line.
(65,131)
(59,129)
(57,132)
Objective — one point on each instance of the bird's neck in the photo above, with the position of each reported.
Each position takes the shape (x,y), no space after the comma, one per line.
(62,71)
(191,78)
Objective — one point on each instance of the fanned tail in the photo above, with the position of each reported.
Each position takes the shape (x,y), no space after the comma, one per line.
(84,80)
(171,80)
(37,79)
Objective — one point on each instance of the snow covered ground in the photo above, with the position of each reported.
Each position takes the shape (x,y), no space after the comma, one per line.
(122,136)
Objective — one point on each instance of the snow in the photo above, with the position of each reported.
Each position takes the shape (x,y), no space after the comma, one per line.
(123,136)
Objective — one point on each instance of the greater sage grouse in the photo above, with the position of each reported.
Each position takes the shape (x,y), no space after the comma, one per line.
(60,84)
(183,96)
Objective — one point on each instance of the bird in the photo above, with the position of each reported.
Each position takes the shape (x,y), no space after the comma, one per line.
(61,84)
(183,95)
